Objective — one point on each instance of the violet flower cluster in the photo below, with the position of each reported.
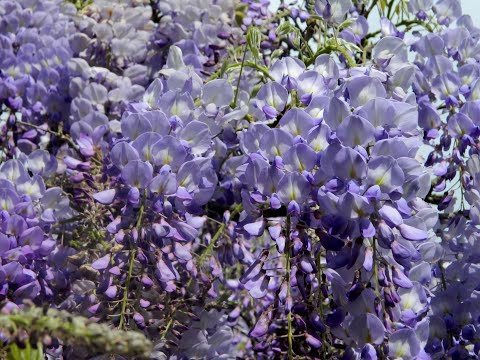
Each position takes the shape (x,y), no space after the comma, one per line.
(223,179)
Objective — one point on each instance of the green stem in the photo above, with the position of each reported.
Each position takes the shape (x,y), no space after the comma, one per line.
(369,10)
(377,286)
(390,8)
(247,63)
(320,300)
(234,104)
(407,23)
(375,269)
(210,247)
(289,315)
(130,267)
(444,281)
(328,50)
(350,61)
(219,232)
(61,136)
(170,322)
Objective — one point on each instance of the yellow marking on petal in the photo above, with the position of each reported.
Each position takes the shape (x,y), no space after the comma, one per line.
(352,173)
(167,159)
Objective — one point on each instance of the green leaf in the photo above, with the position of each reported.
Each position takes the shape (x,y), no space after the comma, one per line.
(346,23)
(239,16)
(224,68)
(383,4)
(285,28)
(276,54)
(254,38)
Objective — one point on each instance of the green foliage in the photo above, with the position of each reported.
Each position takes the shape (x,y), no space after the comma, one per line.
(254,38)
(81,4)
(27,330)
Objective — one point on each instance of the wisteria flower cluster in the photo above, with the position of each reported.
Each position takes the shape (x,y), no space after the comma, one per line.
(235,179)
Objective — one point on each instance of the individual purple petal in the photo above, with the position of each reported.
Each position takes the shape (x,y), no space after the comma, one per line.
(447,11)
(317,322)
(368,353)
(42,162)
(368,261)
(378,111)
(404,344)
(336,112)
(311,84)
(13,170)
(182,252)
(367,229)
(111,292)
(34,187)
(164,183)
(400,251)
(133,195)
(446,85)
(28,291)
(4,244)
(137,174)
(326,66)
(122,153)
(139,320)
(335,317)
(297,122)
(105,197)
(385,233)
(459,125)
(348,164)
(275,142)
(334,11)
(361,89)
(293,208)
(33,236)
(261,326)
(144,145)
(318,138)
(255,228)
(101,263)
(400,279)
(165,271)
(355,130)
(14,272)
(286,70)
(133,125)
(275,231)
(354,206)
(293,186)
(307,265)
(300,158)
(252,271)
(218,92)
(313,341)
(176,103)
(197,136)
(185,232)
(258,286)
(412,233)
(385,172)
(391,215)
(274,96)
(390,53)
(169,151)
(367,328)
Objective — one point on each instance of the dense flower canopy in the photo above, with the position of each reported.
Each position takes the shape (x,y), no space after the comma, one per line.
(222,179)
